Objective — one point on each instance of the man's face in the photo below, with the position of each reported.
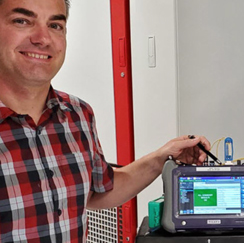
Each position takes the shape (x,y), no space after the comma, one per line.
(32,40)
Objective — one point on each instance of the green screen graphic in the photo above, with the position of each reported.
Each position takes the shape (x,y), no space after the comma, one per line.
(205,197)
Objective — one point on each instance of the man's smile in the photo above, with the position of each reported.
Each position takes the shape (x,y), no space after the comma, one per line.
(35,55)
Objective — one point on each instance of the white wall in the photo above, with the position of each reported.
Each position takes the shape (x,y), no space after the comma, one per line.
(154,89)
(87,72)
(211,73)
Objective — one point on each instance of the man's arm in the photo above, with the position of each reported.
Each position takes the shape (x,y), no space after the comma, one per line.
(131,179)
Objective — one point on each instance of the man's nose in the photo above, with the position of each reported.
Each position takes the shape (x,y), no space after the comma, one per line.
(40,36)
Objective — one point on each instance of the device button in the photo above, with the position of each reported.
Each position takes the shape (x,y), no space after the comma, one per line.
(183,222)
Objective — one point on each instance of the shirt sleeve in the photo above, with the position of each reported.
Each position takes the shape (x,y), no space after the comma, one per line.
(102,173)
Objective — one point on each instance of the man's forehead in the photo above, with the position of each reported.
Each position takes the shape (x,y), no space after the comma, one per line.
(47,7)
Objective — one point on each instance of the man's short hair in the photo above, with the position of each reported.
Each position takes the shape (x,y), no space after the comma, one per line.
(67,3)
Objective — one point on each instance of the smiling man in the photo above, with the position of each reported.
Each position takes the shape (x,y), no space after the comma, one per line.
(51,163)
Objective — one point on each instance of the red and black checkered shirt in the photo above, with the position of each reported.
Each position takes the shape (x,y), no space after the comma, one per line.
(47,171)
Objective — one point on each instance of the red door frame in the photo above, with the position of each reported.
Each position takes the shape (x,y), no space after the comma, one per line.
(122,76)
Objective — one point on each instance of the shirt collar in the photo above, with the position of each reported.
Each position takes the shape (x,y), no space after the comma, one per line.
(54,102)
(5,112)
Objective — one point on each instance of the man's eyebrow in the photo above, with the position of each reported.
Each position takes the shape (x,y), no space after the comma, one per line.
(59,17)
(30,13)
(25,11)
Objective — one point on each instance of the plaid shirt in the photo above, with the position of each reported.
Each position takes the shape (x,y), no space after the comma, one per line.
(47,171)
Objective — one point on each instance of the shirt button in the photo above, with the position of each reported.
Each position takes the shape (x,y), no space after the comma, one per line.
(51,173)
(59,212)
(39,130)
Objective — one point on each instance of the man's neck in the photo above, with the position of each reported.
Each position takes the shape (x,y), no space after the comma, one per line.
(25,100)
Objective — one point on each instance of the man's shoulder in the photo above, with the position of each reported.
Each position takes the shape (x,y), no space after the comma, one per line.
(73,102)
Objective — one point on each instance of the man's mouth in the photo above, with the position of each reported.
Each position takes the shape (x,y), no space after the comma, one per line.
(35,55)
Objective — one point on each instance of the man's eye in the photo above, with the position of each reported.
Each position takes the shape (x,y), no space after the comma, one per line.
(56,26)
(20,21)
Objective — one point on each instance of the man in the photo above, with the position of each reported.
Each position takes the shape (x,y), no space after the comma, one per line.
(51,164)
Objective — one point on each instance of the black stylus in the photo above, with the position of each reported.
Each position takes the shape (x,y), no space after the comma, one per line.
(206,151)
